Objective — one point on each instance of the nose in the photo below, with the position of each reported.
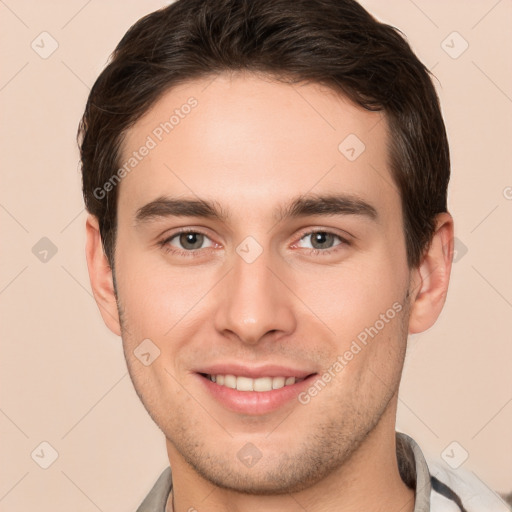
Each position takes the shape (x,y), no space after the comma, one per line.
(254,301)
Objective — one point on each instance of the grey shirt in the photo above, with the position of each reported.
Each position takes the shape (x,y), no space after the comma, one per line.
(411,463)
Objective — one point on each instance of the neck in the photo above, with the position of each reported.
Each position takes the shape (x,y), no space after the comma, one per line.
(368,480)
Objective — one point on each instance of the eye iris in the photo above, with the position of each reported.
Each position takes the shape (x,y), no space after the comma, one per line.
(196,239)
(321,238)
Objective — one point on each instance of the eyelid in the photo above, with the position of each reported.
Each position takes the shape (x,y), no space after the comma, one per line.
(179,231)
(165,242)
(345,238)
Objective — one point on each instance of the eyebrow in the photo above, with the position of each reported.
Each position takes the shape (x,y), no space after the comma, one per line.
(302,206)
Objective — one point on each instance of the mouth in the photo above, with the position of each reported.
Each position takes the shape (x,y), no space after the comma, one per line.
(260,385)
(254,391)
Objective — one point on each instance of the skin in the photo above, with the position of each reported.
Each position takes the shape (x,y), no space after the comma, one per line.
(252,145)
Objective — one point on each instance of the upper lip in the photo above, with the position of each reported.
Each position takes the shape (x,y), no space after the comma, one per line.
(254,372)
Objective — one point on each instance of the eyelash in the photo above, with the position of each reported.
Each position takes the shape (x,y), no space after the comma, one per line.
(188,254)
(196,252)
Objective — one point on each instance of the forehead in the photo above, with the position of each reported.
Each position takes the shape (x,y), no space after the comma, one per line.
(250,143)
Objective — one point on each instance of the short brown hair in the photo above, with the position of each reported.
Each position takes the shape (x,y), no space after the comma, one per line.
(332,42)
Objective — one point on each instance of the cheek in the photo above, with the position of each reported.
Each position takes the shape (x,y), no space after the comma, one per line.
(155,296)
(353,295)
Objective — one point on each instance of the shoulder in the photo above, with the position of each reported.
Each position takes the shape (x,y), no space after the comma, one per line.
(156,500)
(439,488)
(460,490)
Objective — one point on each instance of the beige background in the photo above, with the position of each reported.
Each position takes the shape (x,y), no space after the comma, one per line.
(63,376)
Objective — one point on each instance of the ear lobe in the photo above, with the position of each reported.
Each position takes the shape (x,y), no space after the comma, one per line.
(100,275)
(432,277)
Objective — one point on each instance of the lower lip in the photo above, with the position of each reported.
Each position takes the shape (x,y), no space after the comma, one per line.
(254,402)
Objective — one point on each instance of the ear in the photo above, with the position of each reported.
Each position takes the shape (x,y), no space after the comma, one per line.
(429,284)
(100,275)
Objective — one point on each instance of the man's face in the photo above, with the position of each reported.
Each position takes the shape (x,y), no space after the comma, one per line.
(257,294)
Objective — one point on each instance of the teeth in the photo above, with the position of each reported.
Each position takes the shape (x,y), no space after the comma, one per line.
(278,382)
(244,384)
(230,381)
(248,384)
(263,384)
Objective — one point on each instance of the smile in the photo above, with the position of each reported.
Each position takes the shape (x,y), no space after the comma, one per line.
(261,384)
(253,391)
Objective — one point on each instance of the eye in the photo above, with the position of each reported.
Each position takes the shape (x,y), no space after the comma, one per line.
(189,242)
(186,242)
(322,241)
